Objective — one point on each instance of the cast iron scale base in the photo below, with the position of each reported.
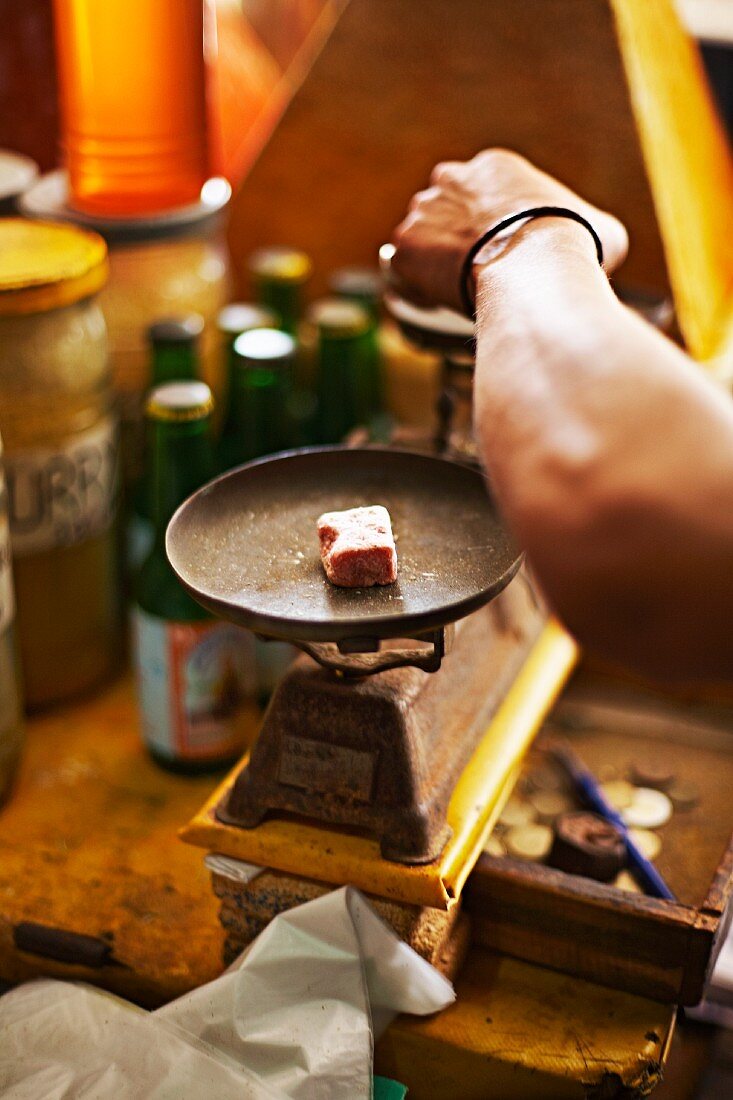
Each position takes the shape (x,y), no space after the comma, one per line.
(373,728)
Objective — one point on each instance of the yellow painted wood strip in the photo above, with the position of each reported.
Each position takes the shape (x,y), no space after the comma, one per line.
(330,855)
(689,166)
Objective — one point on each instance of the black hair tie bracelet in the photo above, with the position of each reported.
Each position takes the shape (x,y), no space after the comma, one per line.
(467,296)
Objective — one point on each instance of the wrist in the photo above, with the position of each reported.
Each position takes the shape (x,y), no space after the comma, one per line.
(543,246)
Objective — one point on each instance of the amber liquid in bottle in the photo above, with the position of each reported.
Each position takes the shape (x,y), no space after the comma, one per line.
(132,78)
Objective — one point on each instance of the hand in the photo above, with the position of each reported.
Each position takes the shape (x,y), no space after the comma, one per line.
(465,198)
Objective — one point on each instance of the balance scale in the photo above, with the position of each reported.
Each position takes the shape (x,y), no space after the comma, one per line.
(388,749)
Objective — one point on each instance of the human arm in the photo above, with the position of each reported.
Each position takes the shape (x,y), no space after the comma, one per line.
(610,452)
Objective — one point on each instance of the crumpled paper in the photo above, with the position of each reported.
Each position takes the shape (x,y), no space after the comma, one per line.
(295,1017)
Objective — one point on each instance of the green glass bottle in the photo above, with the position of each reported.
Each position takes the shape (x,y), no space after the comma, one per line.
(194,672)
(278,277)
(345,398)
(174,357)
(364,286)
(174,348)
(256,421)
(239,317)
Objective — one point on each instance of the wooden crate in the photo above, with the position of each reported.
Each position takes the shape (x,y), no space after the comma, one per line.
(659,949)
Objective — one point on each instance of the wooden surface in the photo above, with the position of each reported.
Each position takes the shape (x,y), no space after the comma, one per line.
(517,1032)
(88,844)
(628,941)
(689,167)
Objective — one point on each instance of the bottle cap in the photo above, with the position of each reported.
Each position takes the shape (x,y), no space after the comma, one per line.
(280,264)
(264,347)
(356,282)
(338,318)
(179,401)
(240,317)
(176,330)
(46,265)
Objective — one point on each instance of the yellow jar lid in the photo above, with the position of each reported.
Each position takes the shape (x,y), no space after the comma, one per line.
(45,265)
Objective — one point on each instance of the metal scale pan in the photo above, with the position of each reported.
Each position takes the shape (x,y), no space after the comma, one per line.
(246,547)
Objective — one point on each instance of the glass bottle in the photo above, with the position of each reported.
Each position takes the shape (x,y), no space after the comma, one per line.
(259,423)
(364,286)
(174,357)
(132,83)
(174,349)
(239,317)
(278,277)
(256,422)
(344,382)
(195,673)
(59,425)
(11,717)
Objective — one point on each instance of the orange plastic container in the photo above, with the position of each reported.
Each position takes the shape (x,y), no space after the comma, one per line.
(133,82)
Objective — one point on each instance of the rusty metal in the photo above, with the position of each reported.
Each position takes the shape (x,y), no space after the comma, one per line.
(246,546)
(383,753)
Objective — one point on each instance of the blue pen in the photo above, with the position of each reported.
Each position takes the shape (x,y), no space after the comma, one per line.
(588,790)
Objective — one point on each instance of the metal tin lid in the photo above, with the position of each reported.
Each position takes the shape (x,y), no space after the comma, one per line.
(338,318)
(281,264)
(179,401)
(264,347)
(49,198)
(45,265)
(176,330)
(240,317)
(17,173)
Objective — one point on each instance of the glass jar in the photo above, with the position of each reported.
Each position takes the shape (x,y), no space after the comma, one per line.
(132,84)
(60,431)
(11,716)
(163,266)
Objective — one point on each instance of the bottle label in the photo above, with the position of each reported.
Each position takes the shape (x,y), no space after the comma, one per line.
(7,601)
(193,679)
(60,496)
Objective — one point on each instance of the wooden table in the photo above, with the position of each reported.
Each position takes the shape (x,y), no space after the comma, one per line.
(88,844)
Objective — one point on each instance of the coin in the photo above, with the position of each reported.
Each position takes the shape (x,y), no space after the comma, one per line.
(494,846)
(546,778)
(683,794)
(651,773)
(619,793)
(531,842)
(626,881)
(517,812)
(648,843)
(648,810)
(549,804)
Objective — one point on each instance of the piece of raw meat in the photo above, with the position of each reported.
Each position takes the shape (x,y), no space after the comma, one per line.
(357,547)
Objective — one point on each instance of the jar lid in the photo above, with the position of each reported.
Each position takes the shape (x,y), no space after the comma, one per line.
(49,198)
(17,173)
(339,318)
(179,401)
(45,265)
(281,264)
